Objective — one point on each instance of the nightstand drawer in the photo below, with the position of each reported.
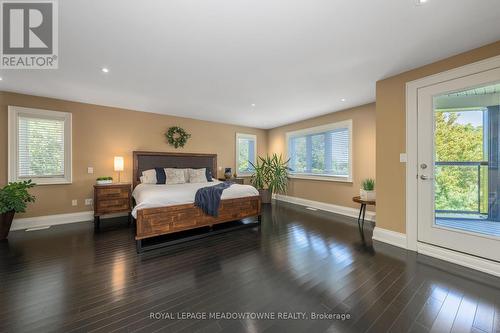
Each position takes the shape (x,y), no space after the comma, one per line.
(112,193)
(113,204)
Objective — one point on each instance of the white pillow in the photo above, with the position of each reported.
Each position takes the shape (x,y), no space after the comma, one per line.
(175,176)
(186,175)
(149,176)
(198,175)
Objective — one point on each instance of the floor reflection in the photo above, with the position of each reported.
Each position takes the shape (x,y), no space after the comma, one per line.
(118,275)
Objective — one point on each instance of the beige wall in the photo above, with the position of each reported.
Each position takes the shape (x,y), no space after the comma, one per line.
(337,193)
(99,133)
(391,141)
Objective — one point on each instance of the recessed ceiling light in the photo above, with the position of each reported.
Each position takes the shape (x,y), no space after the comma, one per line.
(342,99)
(421,2)
(1,78)
(104,70)
(253,105)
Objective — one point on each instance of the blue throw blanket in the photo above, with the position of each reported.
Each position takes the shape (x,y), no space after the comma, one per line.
(208,198)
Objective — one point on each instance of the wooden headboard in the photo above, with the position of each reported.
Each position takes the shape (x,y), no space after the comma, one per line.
(144,160)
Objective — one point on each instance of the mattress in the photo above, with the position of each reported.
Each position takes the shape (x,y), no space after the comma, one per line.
(152,195)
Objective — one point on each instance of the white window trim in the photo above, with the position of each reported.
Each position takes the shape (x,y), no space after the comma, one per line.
(318,129)
(13,115)
(244,136)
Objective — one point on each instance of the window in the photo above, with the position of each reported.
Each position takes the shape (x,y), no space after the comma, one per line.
(39,145)
(246,150)
(323,152)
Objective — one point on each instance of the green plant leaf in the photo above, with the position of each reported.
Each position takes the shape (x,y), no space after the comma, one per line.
(15,196)
(368,184)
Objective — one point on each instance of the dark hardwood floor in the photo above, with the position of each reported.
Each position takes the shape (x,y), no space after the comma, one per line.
(68,279)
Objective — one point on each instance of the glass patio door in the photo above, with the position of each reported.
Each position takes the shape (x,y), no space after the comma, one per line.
(458,163)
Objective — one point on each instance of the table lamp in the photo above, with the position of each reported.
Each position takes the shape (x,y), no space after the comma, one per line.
(119,166)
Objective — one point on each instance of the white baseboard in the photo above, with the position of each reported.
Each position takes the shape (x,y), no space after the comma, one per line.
(50,220)
(480,264)
(342,210)
(390,237)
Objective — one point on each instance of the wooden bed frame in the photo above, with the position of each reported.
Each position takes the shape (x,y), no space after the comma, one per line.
(151,222)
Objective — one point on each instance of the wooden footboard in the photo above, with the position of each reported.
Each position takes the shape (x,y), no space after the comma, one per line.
(165,220)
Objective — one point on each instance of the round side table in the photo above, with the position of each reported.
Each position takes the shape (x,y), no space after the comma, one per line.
(362,212)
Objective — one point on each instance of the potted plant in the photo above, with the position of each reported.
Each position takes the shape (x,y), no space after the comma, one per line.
(270,176)
(14,198)
(104,180)
(367,191)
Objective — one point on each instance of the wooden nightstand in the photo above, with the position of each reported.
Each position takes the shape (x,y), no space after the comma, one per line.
(235,180)
(110,199)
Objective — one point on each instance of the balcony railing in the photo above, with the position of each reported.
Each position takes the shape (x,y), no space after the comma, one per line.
(461,187)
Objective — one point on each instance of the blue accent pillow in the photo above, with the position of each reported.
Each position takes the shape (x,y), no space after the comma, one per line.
(161,176)
(208,174)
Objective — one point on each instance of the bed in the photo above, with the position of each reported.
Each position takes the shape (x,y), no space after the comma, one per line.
(167,209)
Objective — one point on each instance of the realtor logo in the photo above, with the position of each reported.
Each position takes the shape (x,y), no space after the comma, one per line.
(29,35)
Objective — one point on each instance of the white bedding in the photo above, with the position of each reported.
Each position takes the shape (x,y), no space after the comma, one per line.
(152,195)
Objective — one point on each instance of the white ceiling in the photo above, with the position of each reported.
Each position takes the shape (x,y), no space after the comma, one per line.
(211,59)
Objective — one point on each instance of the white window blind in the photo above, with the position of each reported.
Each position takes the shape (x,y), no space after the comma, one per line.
(323,151)
(39,145)
(246,148)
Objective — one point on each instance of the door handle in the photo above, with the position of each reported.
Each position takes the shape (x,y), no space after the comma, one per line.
(424,177)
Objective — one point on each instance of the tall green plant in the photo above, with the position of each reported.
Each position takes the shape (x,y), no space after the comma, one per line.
(15,196)
(271,172)
(259,179)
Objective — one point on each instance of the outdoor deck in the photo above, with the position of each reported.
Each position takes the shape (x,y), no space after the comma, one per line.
(481,226)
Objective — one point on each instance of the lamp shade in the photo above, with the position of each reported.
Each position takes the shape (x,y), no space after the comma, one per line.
(118,163)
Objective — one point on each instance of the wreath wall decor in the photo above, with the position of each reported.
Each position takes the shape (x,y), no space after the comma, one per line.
(177,136)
